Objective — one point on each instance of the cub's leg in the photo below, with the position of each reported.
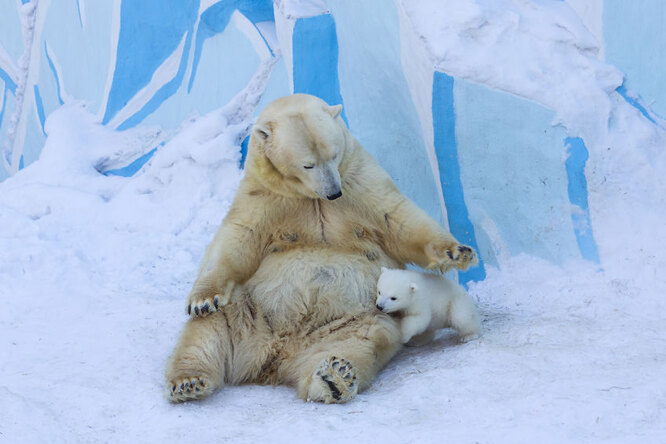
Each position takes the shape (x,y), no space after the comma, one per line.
(463,315)
(421,339)
(229,346)
(342,357)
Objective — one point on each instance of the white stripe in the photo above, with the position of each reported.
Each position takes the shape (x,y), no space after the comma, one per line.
(115,34)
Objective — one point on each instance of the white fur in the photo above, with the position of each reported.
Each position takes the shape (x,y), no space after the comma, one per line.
(427,302)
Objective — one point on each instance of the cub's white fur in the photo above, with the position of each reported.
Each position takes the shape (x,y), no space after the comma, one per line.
(427,302)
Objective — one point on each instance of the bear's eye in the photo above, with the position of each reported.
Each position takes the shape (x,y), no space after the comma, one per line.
(308,167)
(394,298)
(379,292)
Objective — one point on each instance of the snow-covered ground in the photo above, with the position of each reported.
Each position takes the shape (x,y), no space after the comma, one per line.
(94,271)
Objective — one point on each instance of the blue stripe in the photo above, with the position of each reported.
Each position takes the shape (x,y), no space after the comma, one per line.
(78,8)
(315,58)
(166,91)
(9,83)
(577,189)
(243,151)
(40,108)
(4,104)
(133,167)
(215,19)
(446,149)
(55,74)
(635,102)
(150,31)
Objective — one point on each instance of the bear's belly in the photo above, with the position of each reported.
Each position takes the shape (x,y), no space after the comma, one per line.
(314,286)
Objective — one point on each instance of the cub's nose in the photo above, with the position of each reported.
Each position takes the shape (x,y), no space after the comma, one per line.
(334,196)
(380,308)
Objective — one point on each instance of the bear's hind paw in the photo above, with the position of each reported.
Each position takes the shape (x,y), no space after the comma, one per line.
(333,381)
(187,389)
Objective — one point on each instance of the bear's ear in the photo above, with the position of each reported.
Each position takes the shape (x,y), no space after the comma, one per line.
(263,131)
(384,269)
(413,287)
(334,111)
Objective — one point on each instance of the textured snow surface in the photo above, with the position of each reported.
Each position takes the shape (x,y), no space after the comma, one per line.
(94,271)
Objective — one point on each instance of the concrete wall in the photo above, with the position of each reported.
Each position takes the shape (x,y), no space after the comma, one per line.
(488,164)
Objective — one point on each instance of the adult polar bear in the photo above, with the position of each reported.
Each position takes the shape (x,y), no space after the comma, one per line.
(286,290)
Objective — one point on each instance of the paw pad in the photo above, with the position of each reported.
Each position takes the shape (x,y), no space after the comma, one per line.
(334,381)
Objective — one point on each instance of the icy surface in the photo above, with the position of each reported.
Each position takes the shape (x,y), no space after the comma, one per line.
(94,271)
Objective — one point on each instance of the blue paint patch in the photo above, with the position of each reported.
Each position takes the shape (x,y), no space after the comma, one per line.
(25,1)
(40,108)
(577,156)
(131,169)
(315,58)
(166,91)
(243,151)
(21,163)
(150,32)
(55,74)
(446,149)
(9,83)
(635,102)
(215,19)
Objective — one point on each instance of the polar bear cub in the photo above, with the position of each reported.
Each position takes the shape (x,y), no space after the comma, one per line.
(427,302)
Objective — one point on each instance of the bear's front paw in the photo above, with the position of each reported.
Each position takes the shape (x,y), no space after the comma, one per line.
(203,301)
(447,255)
(185,389)
(333,381)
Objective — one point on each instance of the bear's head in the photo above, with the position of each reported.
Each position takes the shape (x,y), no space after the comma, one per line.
(296,148)
(395,291)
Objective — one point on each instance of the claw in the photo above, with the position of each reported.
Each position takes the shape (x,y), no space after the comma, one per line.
(216,302)
(189,309)
(196,311)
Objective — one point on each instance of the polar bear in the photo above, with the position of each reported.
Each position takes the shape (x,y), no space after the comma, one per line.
(285,292)
(427,302)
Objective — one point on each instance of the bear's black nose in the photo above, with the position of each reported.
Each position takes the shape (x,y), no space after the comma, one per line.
(334,196)
(380,308)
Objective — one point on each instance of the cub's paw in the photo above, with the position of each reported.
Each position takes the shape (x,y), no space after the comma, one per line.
(469,337)
(333,381)
(203,301)
(186,389)
(445,256)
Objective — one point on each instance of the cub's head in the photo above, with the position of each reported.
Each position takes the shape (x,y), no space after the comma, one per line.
(297,146)
(395,291)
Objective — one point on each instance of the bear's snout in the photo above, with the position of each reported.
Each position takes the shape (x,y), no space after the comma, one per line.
(380,307)
(334,196)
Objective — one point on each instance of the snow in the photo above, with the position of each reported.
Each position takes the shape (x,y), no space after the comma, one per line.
(99,267)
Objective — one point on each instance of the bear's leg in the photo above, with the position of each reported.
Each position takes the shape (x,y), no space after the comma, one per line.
(228,346)
(342,358)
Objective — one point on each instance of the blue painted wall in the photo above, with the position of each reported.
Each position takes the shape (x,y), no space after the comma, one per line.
(487,163)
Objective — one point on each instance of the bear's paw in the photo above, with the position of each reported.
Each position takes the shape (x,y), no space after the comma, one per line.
(333,381)
(445,256)
(187,389)
(203,301)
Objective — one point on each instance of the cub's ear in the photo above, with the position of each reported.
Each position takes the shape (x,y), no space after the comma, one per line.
(262,130)
(413,287)
(334,111)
